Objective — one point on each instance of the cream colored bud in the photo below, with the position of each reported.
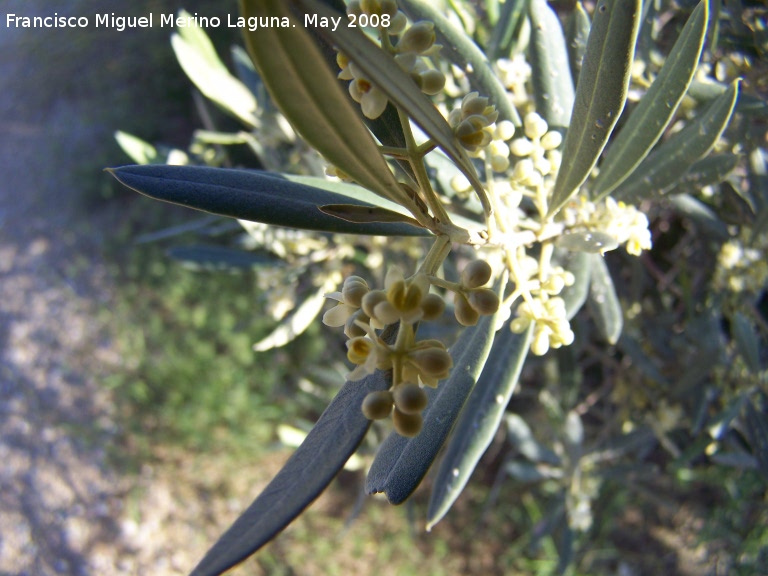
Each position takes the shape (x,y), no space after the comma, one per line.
(504,130)
(371,299)
(499,163)
(351,327)
(418,38)
(397,24)
(540,344)
(535,126)
(551,140)
(521,147)
(473,103)
(431,81)
(353,290)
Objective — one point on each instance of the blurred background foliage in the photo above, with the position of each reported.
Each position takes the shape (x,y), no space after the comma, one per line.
(667,464)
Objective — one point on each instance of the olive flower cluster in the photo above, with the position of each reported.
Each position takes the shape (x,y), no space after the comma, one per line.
(414,363)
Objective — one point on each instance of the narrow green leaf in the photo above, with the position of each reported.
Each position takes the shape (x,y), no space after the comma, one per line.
(701,214)
(382,70)
(463,52)
(657,107)
(401,463)
(708,171)
(211,257)
(603,302)
(297,321)
(365,214)
(522,438)
(308,93)
(312,467)
(578,263)
(576,32)
(552,82)
(600,94)
(503,36)
(198,59)
(479,420)
(251,195)
(757,428)
(747,340)
(668,162)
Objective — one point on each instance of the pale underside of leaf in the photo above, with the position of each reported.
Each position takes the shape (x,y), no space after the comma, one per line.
(603,301)
(670,161)
(479,420)
(553,85)
(657,107)
(600,94)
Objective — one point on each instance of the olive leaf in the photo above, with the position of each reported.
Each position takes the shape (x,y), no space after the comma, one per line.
(552,83)
(198,59)
(659,172)
(334,438)
(657,107)
(310,96)
(576,32)
(603,302)
(479,420)
(257,196)
(600,94)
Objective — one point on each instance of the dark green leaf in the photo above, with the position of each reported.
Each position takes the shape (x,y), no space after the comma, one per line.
(552,82)
(479,420)
(708,171)
(577,31)
(503,37)
(700,214)
(315,463)
(600,94)
(365,214)
(603,302)
(463,52)
(219,257)
(757,428)
(658,173)
(747,340)
(251,195)
(657,107)
(401,463)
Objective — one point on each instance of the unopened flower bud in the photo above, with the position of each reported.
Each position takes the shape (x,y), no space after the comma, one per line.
(408,425)
(484,301)
(465,313)
(410,398)
(475,274)
(433,306)
(371,299)
(418,38)
(353,290)
(378,405)
(433,362)
(431,81)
